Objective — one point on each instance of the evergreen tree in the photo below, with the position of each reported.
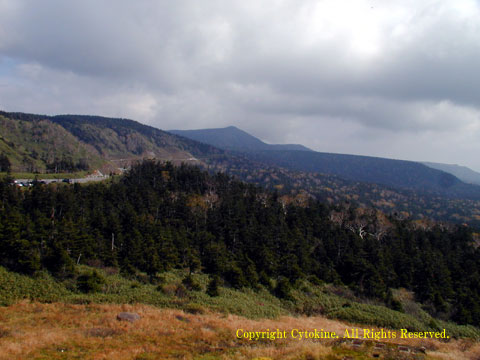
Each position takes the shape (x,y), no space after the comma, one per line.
(5,165)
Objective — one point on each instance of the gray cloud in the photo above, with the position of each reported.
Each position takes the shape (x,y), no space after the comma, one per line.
(386,78)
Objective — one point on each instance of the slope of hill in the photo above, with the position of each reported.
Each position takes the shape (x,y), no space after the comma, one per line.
(464,173)
(32,330)
(98,141)
(158,217)
(116,138)
(298,187)
(232,138)
(34,145)
(396,173)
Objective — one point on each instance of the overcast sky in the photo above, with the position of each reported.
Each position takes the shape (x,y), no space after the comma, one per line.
(388,78)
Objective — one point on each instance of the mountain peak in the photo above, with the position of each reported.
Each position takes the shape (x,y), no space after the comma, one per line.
(233,138)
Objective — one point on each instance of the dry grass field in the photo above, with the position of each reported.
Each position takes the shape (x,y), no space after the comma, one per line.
(66,331)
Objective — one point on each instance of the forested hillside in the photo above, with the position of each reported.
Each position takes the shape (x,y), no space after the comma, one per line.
(41,146)
(38,143)
(158,217)
(297,187)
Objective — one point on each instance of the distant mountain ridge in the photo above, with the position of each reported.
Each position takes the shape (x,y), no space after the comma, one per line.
(397,173)
(462,172)
(232,138)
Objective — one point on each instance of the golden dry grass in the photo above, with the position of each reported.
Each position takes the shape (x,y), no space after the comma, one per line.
(65,331)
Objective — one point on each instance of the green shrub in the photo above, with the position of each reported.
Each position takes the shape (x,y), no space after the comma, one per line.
(190,283)
(91,282)
(265,280)
(315,280)
(193,308)
(43,288)
(283,289)
(181,291)
(212,289)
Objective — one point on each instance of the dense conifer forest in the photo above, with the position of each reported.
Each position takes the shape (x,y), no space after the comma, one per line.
(157,217)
